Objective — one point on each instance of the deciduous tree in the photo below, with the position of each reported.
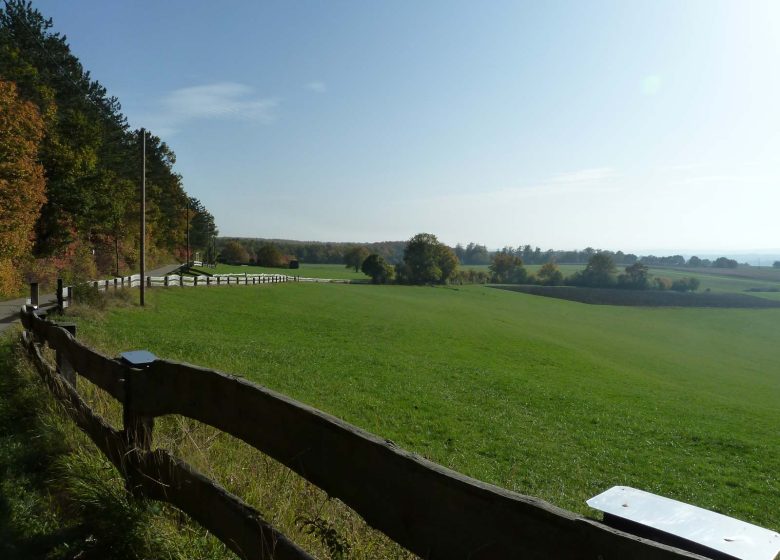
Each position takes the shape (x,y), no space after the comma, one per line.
(354,256)
(507,268)
(427,260)
(376,267)
(21,182)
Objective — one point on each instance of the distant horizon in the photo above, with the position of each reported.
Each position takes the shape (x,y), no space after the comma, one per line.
(771,253)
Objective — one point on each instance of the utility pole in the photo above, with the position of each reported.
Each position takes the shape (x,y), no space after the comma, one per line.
(143,218)
(188,231)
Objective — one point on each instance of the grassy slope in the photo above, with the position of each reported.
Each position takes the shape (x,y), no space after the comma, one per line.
(550,398)
(333,271)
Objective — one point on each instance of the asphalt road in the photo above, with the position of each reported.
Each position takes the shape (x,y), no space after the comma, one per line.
(9,309)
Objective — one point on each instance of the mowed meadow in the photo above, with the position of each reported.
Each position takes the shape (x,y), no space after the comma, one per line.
(546,397)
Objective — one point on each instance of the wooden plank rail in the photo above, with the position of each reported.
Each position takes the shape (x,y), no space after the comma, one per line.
(432,511)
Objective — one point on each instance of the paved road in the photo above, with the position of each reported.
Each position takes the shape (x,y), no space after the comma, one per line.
(9,309)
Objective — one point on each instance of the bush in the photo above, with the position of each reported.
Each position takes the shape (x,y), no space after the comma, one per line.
(685,285)
(471,276)
(88,294)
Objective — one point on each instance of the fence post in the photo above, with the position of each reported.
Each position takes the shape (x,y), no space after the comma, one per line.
(181,279)
(195,280)
(166,281)
(63,364)
(137,429)
(148,281)
(208,281)
(69,295)
(34,294)
(219,280)
(60,296)
(116,284)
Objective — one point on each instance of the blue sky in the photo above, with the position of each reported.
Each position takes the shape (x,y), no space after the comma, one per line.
(625,125)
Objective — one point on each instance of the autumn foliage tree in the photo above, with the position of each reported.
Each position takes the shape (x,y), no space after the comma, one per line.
(84,197)
(22,185)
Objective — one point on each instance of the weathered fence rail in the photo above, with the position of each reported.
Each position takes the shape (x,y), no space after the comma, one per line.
(429,509)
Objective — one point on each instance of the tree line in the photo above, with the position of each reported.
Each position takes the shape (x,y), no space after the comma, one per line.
(600,271)
(70,168)
(428,261)
(246,251)
(313,252)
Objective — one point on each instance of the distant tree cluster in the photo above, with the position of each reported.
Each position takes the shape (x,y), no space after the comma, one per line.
(70,167)
(535,255)
(234,251)
(425,261)
(318,252)
(599,272)
(723,262)
(472,254)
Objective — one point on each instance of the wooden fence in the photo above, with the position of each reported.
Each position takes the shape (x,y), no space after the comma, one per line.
(432,511)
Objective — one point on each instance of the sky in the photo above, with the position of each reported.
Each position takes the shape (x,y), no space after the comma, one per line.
(633,125)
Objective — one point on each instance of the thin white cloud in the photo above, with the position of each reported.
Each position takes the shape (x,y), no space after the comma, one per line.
(317,86)
(222,100)
(225,99)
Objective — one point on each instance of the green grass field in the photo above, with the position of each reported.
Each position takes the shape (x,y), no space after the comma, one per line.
(332,271)
(546,397)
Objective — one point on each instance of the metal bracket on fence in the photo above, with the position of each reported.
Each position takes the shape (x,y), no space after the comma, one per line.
(138,359)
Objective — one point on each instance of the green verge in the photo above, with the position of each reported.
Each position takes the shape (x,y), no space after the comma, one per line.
(549,398)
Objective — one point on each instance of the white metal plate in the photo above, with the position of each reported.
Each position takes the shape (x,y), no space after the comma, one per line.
(714,530)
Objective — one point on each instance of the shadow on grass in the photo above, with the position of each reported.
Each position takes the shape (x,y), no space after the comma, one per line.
(642,298)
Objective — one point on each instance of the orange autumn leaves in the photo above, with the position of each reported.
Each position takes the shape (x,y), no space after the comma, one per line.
(22,184)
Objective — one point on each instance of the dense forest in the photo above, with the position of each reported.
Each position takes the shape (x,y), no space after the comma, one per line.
(70,169)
